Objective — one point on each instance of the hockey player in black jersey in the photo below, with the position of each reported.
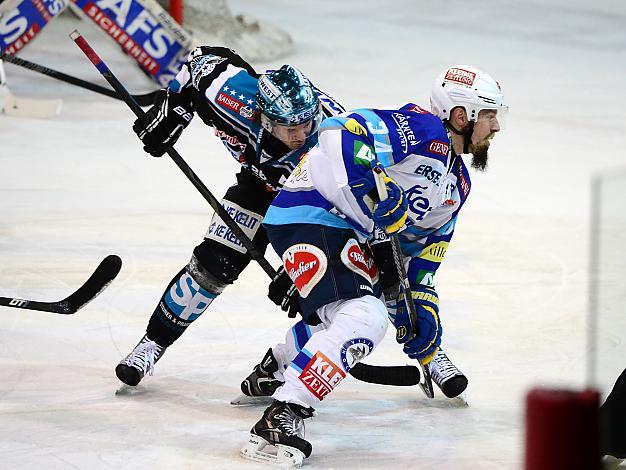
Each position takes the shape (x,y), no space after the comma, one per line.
(267,122)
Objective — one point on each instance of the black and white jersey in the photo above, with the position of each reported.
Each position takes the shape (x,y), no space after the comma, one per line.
(221,88)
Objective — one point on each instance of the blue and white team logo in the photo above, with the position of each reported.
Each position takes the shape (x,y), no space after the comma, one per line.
(203,66)
(355,350)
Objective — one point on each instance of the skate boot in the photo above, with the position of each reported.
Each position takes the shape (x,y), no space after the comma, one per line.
(446,375)
(261,384)
(281,426)
(139,362)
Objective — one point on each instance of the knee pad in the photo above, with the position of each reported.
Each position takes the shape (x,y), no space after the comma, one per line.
(217,262)
(373,313)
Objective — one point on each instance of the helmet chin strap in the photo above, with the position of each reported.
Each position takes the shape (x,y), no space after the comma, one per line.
(467,135)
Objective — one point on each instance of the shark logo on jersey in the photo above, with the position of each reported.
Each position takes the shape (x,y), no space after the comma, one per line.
(354,351)
(202,66)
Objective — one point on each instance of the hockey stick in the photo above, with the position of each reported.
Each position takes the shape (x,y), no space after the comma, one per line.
(146,99)
(174,155)
(25,107)
(106,271)
(399,377)
(427,385)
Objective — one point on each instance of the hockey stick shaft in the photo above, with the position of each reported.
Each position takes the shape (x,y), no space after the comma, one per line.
(106,271)
(404,378)
(427,385)
(174,155)
(146,99)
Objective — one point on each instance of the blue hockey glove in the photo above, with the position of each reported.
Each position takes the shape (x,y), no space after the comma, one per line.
(423,342)
(166,121)
(389,214)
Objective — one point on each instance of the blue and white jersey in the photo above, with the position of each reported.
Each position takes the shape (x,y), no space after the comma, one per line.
(221,88)
(414,148)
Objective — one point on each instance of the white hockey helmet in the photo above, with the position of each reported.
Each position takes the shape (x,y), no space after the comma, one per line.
(468,87)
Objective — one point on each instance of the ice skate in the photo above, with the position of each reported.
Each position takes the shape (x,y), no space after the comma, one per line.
(447,376)
(278,437)
(140,362)
(260,385)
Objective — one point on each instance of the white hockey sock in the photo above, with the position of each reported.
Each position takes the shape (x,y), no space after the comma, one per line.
(353,328)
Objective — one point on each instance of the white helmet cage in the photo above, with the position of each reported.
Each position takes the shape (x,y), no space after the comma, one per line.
(468,87)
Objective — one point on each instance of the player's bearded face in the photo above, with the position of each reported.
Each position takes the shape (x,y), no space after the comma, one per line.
(485,129)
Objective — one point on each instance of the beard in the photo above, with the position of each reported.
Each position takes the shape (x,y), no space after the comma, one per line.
(480,153)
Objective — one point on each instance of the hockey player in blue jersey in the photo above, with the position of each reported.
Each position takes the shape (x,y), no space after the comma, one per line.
(266,122)
(330,206)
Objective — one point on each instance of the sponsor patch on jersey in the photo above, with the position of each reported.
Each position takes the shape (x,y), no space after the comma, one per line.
(230,140)
(247,220)
(306,265)
(425,278)
(247,112)
(405,133)
(418,109)
(439,147)
(356,260)
(202,66)
(321,375)
(354,351)
(462,180)
(429,173)
(228,101)
(353,126)
(363,154)
(186,299)
(461,76)
(434,252)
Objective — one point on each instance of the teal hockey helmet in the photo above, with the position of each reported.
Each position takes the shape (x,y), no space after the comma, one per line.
(287,98)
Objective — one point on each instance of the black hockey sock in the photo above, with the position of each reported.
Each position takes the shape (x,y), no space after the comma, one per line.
(181,304)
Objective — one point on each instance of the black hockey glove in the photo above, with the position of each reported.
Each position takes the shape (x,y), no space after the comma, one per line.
(382,253)
(283,292)
(167,119)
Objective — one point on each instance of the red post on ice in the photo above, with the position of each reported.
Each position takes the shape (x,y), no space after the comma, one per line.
(562,430)
(176,10)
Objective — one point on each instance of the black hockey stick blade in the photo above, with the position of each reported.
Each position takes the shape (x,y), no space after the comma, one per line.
(399,376)
(106,271)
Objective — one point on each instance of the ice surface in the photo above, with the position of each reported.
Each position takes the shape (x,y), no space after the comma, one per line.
(513,287)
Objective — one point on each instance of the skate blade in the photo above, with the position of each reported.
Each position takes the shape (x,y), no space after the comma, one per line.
(245,400)
(460,401)
(259,450)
